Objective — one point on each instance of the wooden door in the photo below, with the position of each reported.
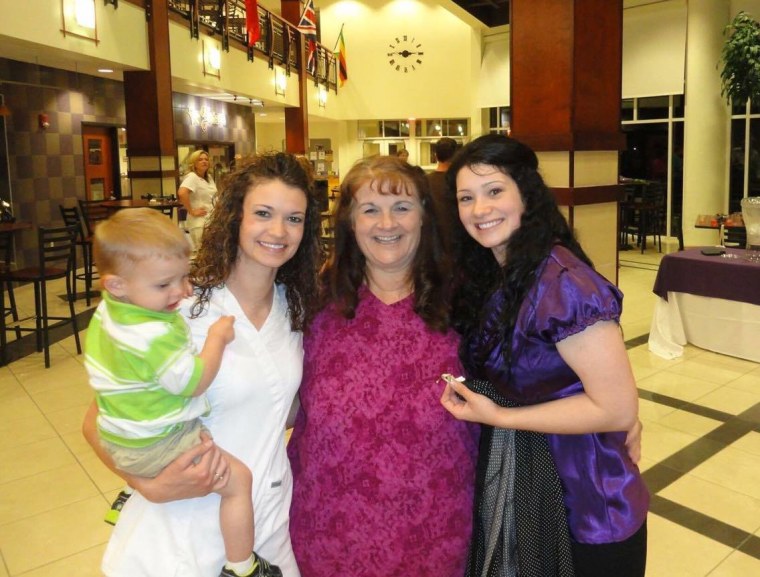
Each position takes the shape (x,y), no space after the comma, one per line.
(98,162)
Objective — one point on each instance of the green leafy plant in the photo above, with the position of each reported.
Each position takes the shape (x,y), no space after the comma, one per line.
(740,77)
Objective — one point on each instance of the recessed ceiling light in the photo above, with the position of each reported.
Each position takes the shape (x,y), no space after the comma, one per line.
(105,70)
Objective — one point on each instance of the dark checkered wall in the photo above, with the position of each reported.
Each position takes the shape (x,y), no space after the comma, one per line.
(46,165)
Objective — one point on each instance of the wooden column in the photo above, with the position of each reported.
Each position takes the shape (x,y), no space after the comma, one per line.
(297,119)
(566,62)
(151,147)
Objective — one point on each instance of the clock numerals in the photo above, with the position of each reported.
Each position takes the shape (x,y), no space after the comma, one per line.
(405,54)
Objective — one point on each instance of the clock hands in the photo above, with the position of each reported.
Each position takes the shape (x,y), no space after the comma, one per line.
(407,53)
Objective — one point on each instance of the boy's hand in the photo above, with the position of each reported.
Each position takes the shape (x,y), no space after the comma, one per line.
(223,329)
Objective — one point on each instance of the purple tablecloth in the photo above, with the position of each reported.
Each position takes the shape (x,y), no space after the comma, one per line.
(689,271)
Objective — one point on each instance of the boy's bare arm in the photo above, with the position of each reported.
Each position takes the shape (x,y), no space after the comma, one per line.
(220,334)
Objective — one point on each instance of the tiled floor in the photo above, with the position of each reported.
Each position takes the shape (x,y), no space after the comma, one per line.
(701,444)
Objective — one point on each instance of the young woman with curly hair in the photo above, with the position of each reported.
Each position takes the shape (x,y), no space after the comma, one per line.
(257,262)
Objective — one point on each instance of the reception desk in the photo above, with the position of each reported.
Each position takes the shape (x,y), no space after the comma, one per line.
(712,302)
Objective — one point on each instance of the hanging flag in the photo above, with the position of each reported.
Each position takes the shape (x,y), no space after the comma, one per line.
(340,55)
(308,21)
(307,25)
(252,27)
(311,56)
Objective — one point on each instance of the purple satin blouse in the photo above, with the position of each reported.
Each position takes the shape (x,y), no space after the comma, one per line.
(605,496)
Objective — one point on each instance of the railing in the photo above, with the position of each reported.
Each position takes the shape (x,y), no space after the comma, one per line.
(279,41)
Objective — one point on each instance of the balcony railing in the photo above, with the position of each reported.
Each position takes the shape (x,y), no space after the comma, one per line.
(280,42)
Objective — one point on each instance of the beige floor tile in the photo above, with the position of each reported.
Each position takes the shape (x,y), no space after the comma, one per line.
(729,400)
(749,382)
(689,423)
(35,363)
(42,539)
(3,569)
(734,469)
(733,363)
(99,473)
(76,443)
(674,551)
(651,411)
(33,428)
(15,404)
(679,386)
(33,458)
(645,464)
(749,443)
(715,501)
(737,565)
(67,370)
(64,396)
(659,442)
(45,491)
(84,564)
(707,370)
(68,420)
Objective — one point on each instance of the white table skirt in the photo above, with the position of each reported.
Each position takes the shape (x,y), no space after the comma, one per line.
(726,327)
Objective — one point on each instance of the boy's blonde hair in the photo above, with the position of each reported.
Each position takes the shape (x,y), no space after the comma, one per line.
(135,234)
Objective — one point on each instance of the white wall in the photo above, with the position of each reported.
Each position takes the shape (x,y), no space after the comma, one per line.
(444,84)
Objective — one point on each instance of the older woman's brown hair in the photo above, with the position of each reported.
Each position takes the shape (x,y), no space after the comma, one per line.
(345,271)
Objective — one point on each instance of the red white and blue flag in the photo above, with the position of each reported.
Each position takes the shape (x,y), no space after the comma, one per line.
(307,24)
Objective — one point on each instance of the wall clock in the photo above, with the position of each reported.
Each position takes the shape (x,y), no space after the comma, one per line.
(405,54)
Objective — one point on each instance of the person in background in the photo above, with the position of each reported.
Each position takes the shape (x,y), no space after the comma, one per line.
(403,154)
(257,263)
(196,193)
(540,327)
(383,476)
(444,151)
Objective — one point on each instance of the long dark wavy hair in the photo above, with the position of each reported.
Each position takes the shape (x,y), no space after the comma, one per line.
(542,226)
(218,252)
(345,271)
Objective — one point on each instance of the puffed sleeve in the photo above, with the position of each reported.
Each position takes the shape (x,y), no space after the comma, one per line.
(573,296)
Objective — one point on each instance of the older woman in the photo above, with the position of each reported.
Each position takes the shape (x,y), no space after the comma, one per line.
(257,263)
(383,476)
(196,193)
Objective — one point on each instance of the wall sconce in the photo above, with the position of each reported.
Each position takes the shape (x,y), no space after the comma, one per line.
(43,121)
(79,19)
(322,96)
(212,59)
(280,81)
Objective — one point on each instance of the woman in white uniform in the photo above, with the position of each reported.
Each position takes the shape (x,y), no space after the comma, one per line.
(196,193)
(258,263)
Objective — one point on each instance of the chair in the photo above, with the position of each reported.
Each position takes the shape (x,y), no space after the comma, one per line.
(6,256)
(652,214)
(72,217)
(56,253)
(735,236)
(93,212)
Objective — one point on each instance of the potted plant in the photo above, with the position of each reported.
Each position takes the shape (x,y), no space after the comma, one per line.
(740,77)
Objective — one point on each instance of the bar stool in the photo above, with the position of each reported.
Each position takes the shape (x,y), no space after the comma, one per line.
(6,256)
(72,217)
(56,253)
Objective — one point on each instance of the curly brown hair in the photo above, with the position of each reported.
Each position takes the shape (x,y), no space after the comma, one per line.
(218,252)
(344,273)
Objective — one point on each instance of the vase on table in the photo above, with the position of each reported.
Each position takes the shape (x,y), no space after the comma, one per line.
(751,217)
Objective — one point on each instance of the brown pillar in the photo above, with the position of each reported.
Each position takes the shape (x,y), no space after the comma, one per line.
(566,61)
(151,148)
(297,119)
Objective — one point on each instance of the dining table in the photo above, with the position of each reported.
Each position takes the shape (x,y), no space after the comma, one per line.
(709,300)
(157,203)
(15,226)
